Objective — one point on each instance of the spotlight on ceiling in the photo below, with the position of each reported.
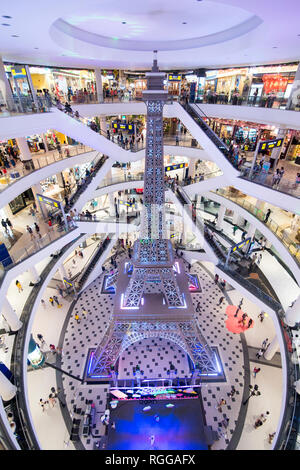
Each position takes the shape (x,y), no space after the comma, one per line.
(184,22)
(5,24)
(6,16)
(123,22)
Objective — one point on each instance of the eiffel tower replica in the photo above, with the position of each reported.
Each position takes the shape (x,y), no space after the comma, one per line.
(152,297)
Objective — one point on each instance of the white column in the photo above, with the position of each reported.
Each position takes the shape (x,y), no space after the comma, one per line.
(99,86)
(62,272)
(192,167)
(25,154)
(293,98)
(10,315)
(251,231)
(292,314)
(271,349)
(5,89)
(103,125)
(111,199)
(221,215)
(37,189)
(277,151)
(34,275)
(7,389)
(45,142)
(32,89)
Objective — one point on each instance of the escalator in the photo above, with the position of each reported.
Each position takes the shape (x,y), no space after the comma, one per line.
(197,115)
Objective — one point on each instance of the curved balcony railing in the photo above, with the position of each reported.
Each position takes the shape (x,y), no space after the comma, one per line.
(25,105)
(24,168)
(20,349)
(284,186)
(292,246)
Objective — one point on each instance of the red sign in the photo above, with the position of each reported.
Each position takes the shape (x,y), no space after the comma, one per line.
(274,82)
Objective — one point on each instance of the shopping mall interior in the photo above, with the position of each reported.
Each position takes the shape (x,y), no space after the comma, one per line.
(150,225)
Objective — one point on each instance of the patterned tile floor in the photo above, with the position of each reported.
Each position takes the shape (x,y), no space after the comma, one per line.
(154,355)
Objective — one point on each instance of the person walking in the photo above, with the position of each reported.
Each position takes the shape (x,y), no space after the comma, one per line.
(77,319)
(264,343)
(198,307)
(261,316)
(43,303)
(29,230)
(9,224)
(244,235)
(4,225)
(37,228)
(19,286)
(52,400)
(256,370)
(260,353)
(43,403)
(57,301)
(232,392)
(41,339)
(235,228)
(258,423)
(221,299)
(250,322)
(216,278)
(267,215)
(50,224)
(51,300)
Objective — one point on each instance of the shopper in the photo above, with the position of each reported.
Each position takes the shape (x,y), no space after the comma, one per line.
(4,225)
(216,278)
(232,392)
(9,224)
(221,300)
(256,370)
(264,343)
(235,228)
(260,353)
(43,303)
(56,301)
(261,316)
(198,307)
(52,400)
(50,224)
(37,228)
(267,215)
(77,318)
(51,300)
(19,286)
(43,404)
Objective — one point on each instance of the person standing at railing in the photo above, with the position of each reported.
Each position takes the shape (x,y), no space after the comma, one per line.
(269,212)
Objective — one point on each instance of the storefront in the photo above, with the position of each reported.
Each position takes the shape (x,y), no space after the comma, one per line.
(66,84)
(271,84)
(174,83)
(139,86)
(21,201)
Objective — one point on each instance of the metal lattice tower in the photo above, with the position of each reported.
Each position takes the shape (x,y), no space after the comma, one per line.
(153,255)
(170,312)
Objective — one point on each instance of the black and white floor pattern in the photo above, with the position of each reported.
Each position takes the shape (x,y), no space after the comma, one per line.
(154,355)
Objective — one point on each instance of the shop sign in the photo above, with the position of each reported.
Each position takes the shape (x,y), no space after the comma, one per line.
(18,72)
(270,144)
(274,82)
(67,282)
(48,201)
(174,78)
(176,167)
(240,245)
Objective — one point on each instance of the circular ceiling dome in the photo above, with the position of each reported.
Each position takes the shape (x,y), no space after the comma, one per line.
(156,24)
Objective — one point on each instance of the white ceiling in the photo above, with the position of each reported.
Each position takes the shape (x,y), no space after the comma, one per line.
(123,33)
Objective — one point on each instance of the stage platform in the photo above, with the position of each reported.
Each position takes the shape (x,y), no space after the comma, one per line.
(181,427)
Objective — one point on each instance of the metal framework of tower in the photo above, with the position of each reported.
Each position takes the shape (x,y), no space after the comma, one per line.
(152,261)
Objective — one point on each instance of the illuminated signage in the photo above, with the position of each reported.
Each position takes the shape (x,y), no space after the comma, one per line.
(270,144)
(18,72)
(174,78)
(48,201)
(176,167)
(68,283)
(240,245)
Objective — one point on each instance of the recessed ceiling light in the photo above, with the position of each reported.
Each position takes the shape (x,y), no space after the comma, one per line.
(123,22)
(5,24)
(184,22)
(274,47)
(6,16)
(15,36)
(36,48)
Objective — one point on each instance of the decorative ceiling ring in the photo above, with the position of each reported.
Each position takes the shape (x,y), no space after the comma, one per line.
(67,33)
